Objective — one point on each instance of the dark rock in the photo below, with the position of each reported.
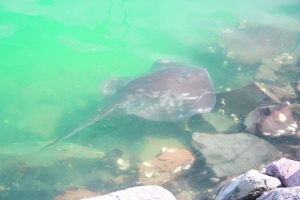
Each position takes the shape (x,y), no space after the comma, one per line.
(148,192)
(243,100)
(296,112)
(283,94)
(291,193)
(287,171)
(289,148)
(272,121)
(251,185)
(172,163)
(233,154)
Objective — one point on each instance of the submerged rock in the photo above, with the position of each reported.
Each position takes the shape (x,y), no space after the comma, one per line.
(75,193)
(270,63)
(251,44)
(286,60)
(172,163)
(265,73)
(296,112)
(251,185)
(220,122)
(278,180)
(287,171)
(233,154)
(283,94)
(148,192)
(272,121)
(243,100)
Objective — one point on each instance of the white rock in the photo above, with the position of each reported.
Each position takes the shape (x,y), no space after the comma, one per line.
(244,184)
(148,192)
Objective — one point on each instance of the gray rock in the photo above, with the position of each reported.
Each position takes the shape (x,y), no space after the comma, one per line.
(265,73)
(221,123)
(287,171)
(148,192)
(247,46)
(251,184)
(233,154)
(291,193)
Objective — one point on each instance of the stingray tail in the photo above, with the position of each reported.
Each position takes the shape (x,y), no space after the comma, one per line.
(90,122)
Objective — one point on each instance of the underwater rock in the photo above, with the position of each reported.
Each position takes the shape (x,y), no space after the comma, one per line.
(272,121)
(283,94)
(251,44)
(283,173)
(221,123)
(61,153)
(122,179)
(282,193)
(270,63)
(296,112)
(148,192)
(243,100)
(287,171)
(172,163)
(286,60)
(119,161)
(75,193)
(250,184)
(265,73)
(180,188)
(291,151)
(153,144)
(233,154)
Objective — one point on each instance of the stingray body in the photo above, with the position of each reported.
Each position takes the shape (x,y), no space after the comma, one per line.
(168,92)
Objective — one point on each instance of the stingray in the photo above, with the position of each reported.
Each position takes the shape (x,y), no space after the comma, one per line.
(169,92)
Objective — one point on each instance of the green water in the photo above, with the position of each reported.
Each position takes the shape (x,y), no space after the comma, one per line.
(54,55)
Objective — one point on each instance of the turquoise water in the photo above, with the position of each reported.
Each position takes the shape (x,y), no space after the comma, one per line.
(54,55)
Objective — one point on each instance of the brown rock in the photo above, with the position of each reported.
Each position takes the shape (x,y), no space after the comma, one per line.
(291,151)
(75,193)
(282,94)
(170,164)
(272,121)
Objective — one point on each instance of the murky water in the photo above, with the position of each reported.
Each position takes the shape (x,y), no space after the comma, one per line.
(54,55)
